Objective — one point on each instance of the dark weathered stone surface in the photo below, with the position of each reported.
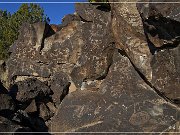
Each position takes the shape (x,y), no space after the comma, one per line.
(45,113)
(26,51)
(123,103)
(69,18)
(161,21)
(162,26)
(32,89)
(6,103)
(129,35)
(59,84)
(96,56)
(9,126)
(37,124)
(119,65)
(32,108)
(166,73)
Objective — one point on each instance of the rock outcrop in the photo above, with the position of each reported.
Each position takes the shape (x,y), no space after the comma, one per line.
(107,68)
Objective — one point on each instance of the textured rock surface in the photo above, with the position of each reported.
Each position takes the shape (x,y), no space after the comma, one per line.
(8,126)
(32,89)
(166,73)
(129,35)
(26,51)
(59,85)
(162,22)
(6,103)
(117,106)
(32,108)
(97,50)
(162,26)
(107,68)
(143,31)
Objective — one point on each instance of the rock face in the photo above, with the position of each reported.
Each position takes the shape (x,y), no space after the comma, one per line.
(117,106)
(161,23)
(32,89)
(8,126)
(96,56)
(162,26)
(128,32)
(107,68)
(166,73)
(6,103)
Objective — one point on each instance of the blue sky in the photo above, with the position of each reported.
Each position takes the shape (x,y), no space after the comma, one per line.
(55,11)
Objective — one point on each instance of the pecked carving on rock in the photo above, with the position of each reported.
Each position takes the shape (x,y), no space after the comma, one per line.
(166,73)
(129,35)
(96,56)
(101,70)
(162,26)
(117,106)
(26,52)
(136,30)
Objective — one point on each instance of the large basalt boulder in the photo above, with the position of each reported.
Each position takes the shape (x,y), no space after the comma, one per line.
(37,124)
(143,30)
(166,73)
(32,89)
(59,84)
(40,52)
(7,106)
(161,21)
(162,29)
(25,56)
(97,50)
(117,107)
(8,127)
(129,35)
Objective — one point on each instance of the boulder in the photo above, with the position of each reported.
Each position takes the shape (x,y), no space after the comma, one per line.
(6,103)
(37,124)
(166,73)
(8,126)
(25,56)
(59,84)
(128,31)
(55,27)
(32,89)
(124,103)
(45,113)
(69,18)
(32,108)
(149,35)
(161,26)
(98,47)
(161,22)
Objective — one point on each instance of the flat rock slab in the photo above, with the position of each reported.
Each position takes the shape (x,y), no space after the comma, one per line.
(124,103)
(166,73)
